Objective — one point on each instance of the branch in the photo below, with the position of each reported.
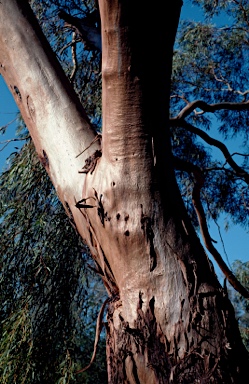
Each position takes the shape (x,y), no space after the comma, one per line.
(86,28)
(70,44)
(208,241)
(74,57)
(221,79)
(99,326)
(211,107)
(214,142)
(53,114)
(6,142)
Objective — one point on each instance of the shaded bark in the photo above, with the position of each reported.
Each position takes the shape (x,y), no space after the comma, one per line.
(169,319)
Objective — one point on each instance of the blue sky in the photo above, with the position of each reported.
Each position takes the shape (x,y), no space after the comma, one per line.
(235,239)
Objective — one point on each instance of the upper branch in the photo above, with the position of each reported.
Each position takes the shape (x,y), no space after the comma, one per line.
(52,112)
(205,107)
(208,241)
(214,142)
(89,33)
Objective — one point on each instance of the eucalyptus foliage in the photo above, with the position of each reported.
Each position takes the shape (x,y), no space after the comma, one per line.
(210,64)
(49,295)
(241,304)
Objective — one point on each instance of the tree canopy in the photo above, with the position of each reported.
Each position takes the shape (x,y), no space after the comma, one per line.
(49,290)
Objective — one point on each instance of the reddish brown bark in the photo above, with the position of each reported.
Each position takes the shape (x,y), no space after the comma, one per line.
(169,320)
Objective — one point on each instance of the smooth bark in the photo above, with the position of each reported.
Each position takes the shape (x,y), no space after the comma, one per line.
(169,320)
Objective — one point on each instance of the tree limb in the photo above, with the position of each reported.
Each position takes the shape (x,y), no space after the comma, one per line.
(214,142)
(86,28)
(208,241)
(74,57)
(211,107)
(99,326)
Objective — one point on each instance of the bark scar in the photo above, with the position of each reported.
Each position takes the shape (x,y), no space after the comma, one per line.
(100,208)
(31,108)
(146,226)
(91,161)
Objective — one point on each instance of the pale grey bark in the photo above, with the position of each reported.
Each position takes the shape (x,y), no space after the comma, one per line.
(168,320)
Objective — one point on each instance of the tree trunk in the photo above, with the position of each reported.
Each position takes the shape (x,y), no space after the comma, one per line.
(169,320)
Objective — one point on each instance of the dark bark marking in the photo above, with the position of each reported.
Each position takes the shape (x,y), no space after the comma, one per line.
(134,368)
(82,204)
(91,161)
(31,108)
(100,209)
(113,184)
(44,159)
(17,92)
(146,226)
(118,216)
(126,218)
(127,233)
(152,305)
(140,301)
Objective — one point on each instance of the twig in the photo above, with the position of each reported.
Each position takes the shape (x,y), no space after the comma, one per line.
(74,41)
(6,142)
(99,326)
(3,127)
(97,137)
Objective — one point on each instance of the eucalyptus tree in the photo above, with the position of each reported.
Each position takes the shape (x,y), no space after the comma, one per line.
(168,318)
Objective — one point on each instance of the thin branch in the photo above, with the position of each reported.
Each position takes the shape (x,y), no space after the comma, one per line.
(244,105)
(74,57)
(99,326)
(219,230)
(244,11)
(208,241)
(229,88)
(3,127)
(97,137)
(216,143)
(86,28)
(239,154)
(6,142)
(187,102)
(70,44)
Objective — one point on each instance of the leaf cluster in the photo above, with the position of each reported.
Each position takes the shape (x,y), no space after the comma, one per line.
(210,64)
(49,297)
(241,304)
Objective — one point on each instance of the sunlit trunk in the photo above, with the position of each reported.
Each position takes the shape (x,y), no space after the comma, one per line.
(169,320)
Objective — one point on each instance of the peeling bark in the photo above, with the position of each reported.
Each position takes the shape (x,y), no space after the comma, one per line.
(169,320)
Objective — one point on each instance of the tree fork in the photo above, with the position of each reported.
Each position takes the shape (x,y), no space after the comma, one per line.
(168,319)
